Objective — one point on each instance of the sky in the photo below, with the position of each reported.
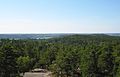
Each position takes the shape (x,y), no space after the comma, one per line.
(59,16)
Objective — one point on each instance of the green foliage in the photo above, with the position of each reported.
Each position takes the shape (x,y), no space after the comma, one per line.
(23,63)
(8,63)
(71,56)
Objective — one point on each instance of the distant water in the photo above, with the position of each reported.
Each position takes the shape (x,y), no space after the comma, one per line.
(29,36)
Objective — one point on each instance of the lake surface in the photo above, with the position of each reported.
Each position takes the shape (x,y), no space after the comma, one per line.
(29,36)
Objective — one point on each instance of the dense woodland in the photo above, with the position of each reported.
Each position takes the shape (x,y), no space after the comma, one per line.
(95,55)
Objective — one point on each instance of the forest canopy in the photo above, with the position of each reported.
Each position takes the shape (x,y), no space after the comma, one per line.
(95,55)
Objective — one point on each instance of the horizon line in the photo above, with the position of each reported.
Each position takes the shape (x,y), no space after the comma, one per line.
(65,33)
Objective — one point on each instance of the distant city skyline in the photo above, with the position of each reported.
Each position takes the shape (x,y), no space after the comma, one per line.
(59,16)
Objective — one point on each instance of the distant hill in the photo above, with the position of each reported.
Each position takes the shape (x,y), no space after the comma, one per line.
(29,36)
(47,36)
(114,34)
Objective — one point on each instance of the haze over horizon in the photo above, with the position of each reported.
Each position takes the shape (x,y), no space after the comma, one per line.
(59,16)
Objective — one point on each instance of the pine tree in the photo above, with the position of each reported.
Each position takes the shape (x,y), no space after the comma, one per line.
(8,63)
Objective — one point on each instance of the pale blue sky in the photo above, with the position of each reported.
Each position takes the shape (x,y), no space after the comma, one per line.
(59,16)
